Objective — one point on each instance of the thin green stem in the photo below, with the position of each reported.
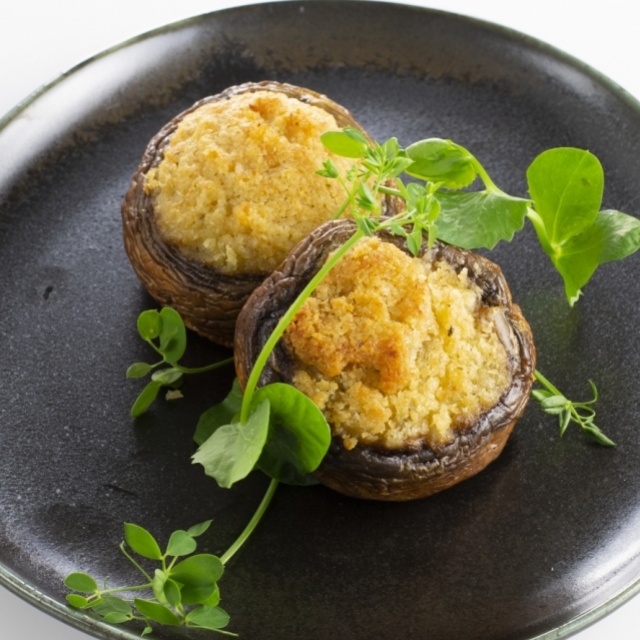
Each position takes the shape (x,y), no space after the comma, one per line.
(286,319)
(351,194)
(140,587)
(205,368)
(545,382)
(248,530)
(134,563)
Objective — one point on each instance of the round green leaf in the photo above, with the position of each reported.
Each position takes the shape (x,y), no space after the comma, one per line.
(173,335)
(348,143)
(157,612)
(116,618)
(199,570)
(233,450)
(566,185)
(81,582)
(299,436)
(76,601)
(142,542)
(181,544)
(149,324)
(113,604)
(208,618)
(441,161)
(194,594)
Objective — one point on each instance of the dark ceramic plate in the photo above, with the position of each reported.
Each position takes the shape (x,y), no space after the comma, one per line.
(546,539)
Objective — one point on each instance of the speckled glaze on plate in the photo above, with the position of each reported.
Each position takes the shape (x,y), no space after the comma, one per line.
(540,543)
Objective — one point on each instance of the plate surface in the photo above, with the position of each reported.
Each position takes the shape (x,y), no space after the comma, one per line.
(546,534)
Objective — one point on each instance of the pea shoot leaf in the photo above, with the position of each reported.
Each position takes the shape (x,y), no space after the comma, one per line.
(157,612)
(81,582)
(199,571)
(299,435)
(208,618)
(479,219)
(181,544)
(173,335)
(567,185)
(141,541)
(219,414)
(347,143)
(443,162)
(232,451)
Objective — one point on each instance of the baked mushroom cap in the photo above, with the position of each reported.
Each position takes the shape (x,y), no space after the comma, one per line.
(207,295)
(421,466)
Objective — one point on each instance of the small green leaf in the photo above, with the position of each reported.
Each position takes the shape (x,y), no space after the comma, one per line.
(139,370)
(205,617)
(142,542)
(329,169)
(81,582)
(200,570)
(213,600)
(566,185)
(598,436)
(172,593)
(157,612)
(116,618)
(299,436)
(195,594)
(149,324)
(113,604)
(76,601)
(233,450)
(181,544)
(620,235)
(145,398)
(612,236)
(348,143)
(173,335)
(479,219)
(220,414)
(167,377)
(441,161)
(198,529)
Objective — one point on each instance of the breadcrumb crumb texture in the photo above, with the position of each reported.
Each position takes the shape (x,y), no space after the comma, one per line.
(237,187)
(398,351)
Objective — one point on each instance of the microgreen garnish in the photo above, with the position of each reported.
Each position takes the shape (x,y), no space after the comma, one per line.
(566,186)
(182,589)
(554,402)
(165,332)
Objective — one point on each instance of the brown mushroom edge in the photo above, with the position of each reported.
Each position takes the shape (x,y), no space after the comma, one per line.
(371,472)
(208,300)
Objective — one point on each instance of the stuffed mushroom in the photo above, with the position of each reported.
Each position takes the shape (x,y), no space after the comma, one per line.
(421,364)
(223,193)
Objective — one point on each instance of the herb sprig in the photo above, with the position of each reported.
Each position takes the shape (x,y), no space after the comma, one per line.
(166,334)
(184,585)
(553,402)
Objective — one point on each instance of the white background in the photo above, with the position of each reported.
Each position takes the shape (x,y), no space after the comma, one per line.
(39,39)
